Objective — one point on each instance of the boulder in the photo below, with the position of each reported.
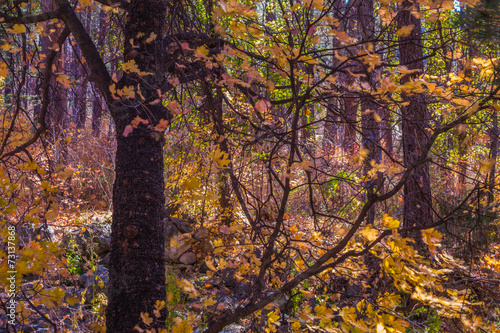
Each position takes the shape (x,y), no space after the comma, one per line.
(175,246)
(188,258)
(201,233)
(103,245)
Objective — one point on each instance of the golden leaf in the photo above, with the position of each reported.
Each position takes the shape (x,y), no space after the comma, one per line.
(405,31)
(17,29)
(182,327)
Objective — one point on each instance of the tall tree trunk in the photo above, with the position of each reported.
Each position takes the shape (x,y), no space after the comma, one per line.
(417,204)
(493,154)
(349,99)
(137,268)
(80,98)
(97,105)
(369,124)
(58,108)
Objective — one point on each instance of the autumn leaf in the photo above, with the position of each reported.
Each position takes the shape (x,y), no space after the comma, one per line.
(369,233)
(405,31)
(432,238)
(3,70)
(263,105)
(128,130)
(486,166)
(182,327)
(389,222)
(17,29)
(146,319)
(51,215)
(201,52)
(66,173)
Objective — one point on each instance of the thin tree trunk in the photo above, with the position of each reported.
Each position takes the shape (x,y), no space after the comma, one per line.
(493,154)
(369,124)
(97,105)
(417,204)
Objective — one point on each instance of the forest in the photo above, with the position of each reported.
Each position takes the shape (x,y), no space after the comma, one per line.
(200,166)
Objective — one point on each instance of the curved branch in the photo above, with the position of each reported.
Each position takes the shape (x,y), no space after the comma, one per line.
(118,3)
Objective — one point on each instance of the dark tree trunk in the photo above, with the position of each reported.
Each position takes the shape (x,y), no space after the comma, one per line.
(80,98)
(493,154)
(97,105)
(417,204)
(57,111)
(137,269)
(369,125)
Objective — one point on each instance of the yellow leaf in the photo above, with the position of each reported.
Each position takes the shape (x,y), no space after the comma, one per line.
(51,215)
(130,67)
(185,285)
(191,184)
(72,301)
(17,29)
(432,238)
(320,310)
(209,302)
(210,264)
(272,317)
(294,229)
(182,327)
(3,70)
(486,166)
(405,31)
(369,233)
(389,222)
(146,319)
(201,52)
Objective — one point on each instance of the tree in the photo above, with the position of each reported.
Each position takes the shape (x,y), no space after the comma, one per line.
(415,118)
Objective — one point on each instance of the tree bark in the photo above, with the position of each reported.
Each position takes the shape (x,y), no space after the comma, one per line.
(369,125)
(493,155)
(417,203)
(137,269)
(97,105)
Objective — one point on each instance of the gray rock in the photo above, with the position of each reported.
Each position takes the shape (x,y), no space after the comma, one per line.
(201,233)
(188,258)
(104,261)
(103,245)
(182,245)
(206,246)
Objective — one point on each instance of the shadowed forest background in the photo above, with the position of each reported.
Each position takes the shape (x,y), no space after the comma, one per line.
(249,166)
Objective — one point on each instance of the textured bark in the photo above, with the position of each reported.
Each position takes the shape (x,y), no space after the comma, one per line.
(369,126)
(417,203)
(58,104)
(80,96)
(349,101)
(137,269)
(97,105)
(493,154)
